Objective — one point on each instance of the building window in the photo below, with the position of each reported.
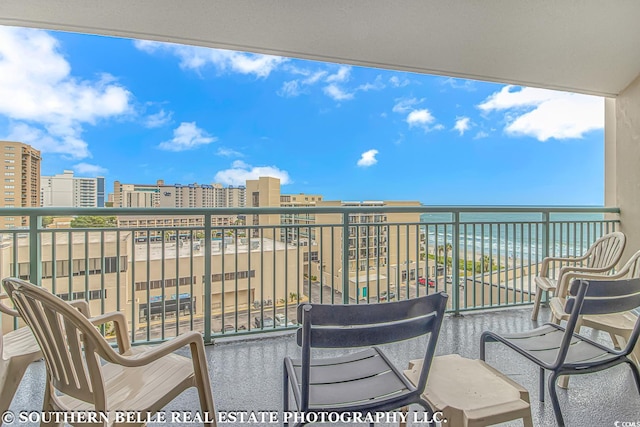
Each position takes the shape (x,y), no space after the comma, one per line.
(9,180)
(9,186)
(9,148)
(9,174)
(9,161)
(81,295)
(168,283)
(9,168)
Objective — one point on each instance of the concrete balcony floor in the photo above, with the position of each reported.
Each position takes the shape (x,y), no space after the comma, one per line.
(247,373)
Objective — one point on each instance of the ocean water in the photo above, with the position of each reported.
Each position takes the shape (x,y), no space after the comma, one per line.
(517,235)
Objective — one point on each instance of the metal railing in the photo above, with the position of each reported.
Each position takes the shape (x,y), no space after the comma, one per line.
(229,271)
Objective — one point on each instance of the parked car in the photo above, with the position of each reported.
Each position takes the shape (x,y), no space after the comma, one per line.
(424,282)
(281,321)
(268,322)
(384,297)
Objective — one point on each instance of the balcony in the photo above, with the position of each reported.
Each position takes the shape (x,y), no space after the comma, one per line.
(247,374)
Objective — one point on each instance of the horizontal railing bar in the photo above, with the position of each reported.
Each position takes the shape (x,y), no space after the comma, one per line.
(317,210)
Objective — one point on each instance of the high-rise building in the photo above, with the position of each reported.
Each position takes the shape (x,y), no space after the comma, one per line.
(21,184)
(136,195)
(67,190)
(177,195)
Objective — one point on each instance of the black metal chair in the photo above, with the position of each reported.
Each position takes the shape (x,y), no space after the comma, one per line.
(564,352)
(366,381)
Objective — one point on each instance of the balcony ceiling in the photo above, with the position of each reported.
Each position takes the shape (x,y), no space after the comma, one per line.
(587,46)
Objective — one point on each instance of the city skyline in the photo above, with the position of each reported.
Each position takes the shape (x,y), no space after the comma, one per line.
(137,111)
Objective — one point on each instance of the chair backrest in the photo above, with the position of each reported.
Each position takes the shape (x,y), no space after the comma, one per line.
(607,250)
(593,297)
(631,268)
(70,344)
(348,326)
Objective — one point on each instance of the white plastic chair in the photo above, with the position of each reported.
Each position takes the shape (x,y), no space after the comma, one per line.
(601,258)
(84,373)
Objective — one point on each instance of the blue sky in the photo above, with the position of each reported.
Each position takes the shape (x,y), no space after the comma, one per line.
(138,111)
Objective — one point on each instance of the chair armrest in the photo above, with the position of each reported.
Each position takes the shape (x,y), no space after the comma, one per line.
(544,267)
(567,276)
(120,322)
(5,308)
(192,338)
(82,306)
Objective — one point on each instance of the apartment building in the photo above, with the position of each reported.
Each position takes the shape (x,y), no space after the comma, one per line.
(136,195)
(115,272)
(21,180)
(177,195)
(382,247)
(65,189)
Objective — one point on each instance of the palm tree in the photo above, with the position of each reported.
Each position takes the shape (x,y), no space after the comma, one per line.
(449,248)
(485,263)
(440,250)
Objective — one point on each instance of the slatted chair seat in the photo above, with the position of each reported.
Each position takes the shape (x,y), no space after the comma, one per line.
(140,388)
(365,377)
(20,342)
(543,345)
(364,381)
(545,283)
(600,259)
(564,352)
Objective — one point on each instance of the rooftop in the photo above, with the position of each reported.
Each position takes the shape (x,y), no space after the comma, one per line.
(247,374)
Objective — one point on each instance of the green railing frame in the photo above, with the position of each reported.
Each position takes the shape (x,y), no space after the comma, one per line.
(36,214)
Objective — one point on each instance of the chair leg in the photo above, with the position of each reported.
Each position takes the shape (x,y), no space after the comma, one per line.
(615,341)
(527,421)
(636,373)
(285,392)
(203,383)
(554,398)
(541,396)
(47,406)
(11,373)
(405,411)
(536,305)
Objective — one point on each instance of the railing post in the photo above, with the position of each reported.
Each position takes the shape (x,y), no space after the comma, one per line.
(455,265)
(345,258)
(545,245)
(35,251)
(206,281)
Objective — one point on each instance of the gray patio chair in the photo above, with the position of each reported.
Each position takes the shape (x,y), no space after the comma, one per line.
(365,381)
(601,258)
(84,373)
(564,352)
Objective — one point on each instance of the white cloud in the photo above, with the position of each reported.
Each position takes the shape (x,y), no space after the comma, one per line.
(463,84)
(405,104)
(187,136)
(376,85)
(368,158)
(545,114)
(228,152)
(397,82)
(89,169)
(481,134)
(196,58)
(158,119)
(338,94)
(462,125)
(47,106)
(240,172)
(342,75)
(420,118)
(290,89)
